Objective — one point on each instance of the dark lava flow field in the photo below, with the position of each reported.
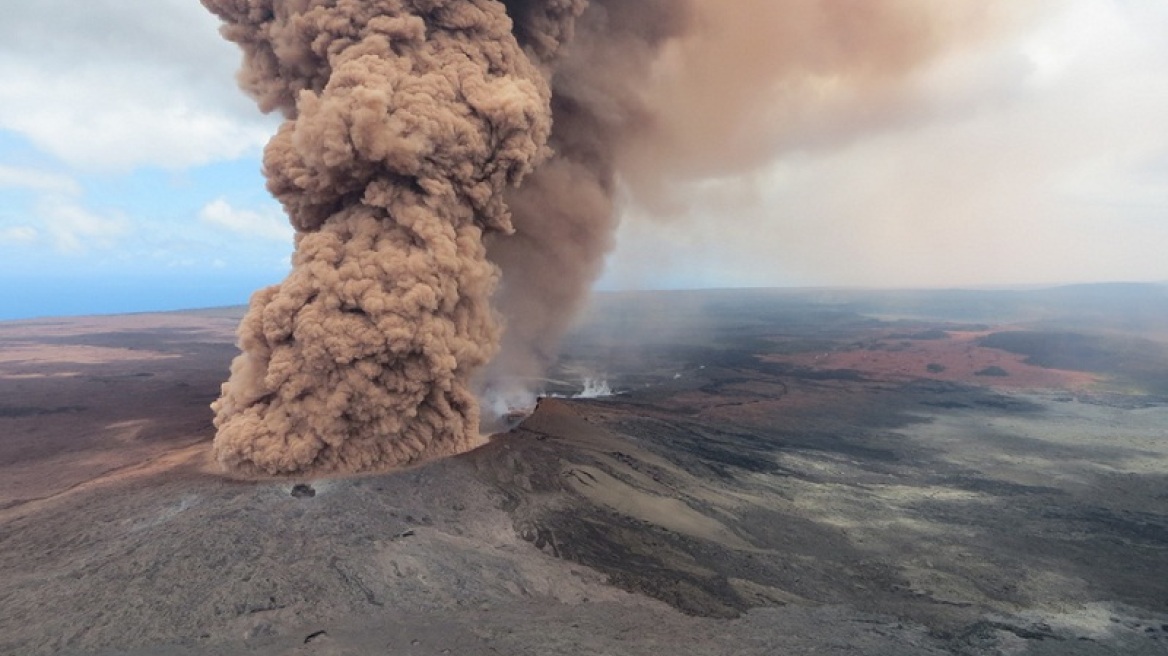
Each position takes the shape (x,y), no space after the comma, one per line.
(777,472)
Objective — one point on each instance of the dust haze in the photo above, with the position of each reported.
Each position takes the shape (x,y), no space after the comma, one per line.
(456,169)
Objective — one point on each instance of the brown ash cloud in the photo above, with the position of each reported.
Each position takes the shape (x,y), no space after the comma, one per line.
(455,170)
(406,121)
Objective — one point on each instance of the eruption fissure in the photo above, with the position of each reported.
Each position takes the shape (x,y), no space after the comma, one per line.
(451,165)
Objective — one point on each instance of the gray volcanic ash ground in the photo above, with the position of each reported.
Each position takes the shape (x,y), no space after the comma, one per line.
(779,472)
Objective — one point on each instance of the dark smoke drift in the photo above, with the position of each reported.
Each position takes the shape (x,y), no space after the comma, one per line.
(451,168)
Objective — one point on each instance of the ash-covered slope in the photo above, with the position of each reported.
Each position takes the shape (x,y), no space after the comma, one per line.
(725,501)
(182,561)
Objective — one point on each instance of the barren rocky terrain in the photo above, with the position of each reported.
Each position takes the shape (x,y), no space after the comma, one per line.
(777,472)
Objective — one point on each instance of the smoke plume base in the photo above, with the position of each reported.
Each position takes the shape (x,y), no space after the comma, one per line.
(594,388)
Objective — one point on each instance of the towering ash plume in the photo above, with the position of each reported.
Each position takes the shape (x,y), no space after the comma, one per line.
(432,144)
(407,119)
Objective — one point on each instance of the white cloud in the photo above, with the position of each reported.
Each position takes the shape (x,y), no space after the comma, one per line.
(18,235)
(100,124)
(74,229)
(41,181)
(269,223)
(107,85)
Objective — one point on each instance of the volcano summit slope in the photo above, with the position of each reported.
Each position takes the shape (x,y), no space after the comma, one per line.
(777,472)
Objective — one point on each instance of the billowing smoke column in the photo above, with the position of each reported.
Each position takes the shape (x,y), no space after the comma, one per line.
(407,120)
(433,146)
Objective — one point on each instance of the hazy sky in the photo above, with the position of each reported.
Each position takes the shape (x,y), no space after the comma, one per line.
(129,170)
